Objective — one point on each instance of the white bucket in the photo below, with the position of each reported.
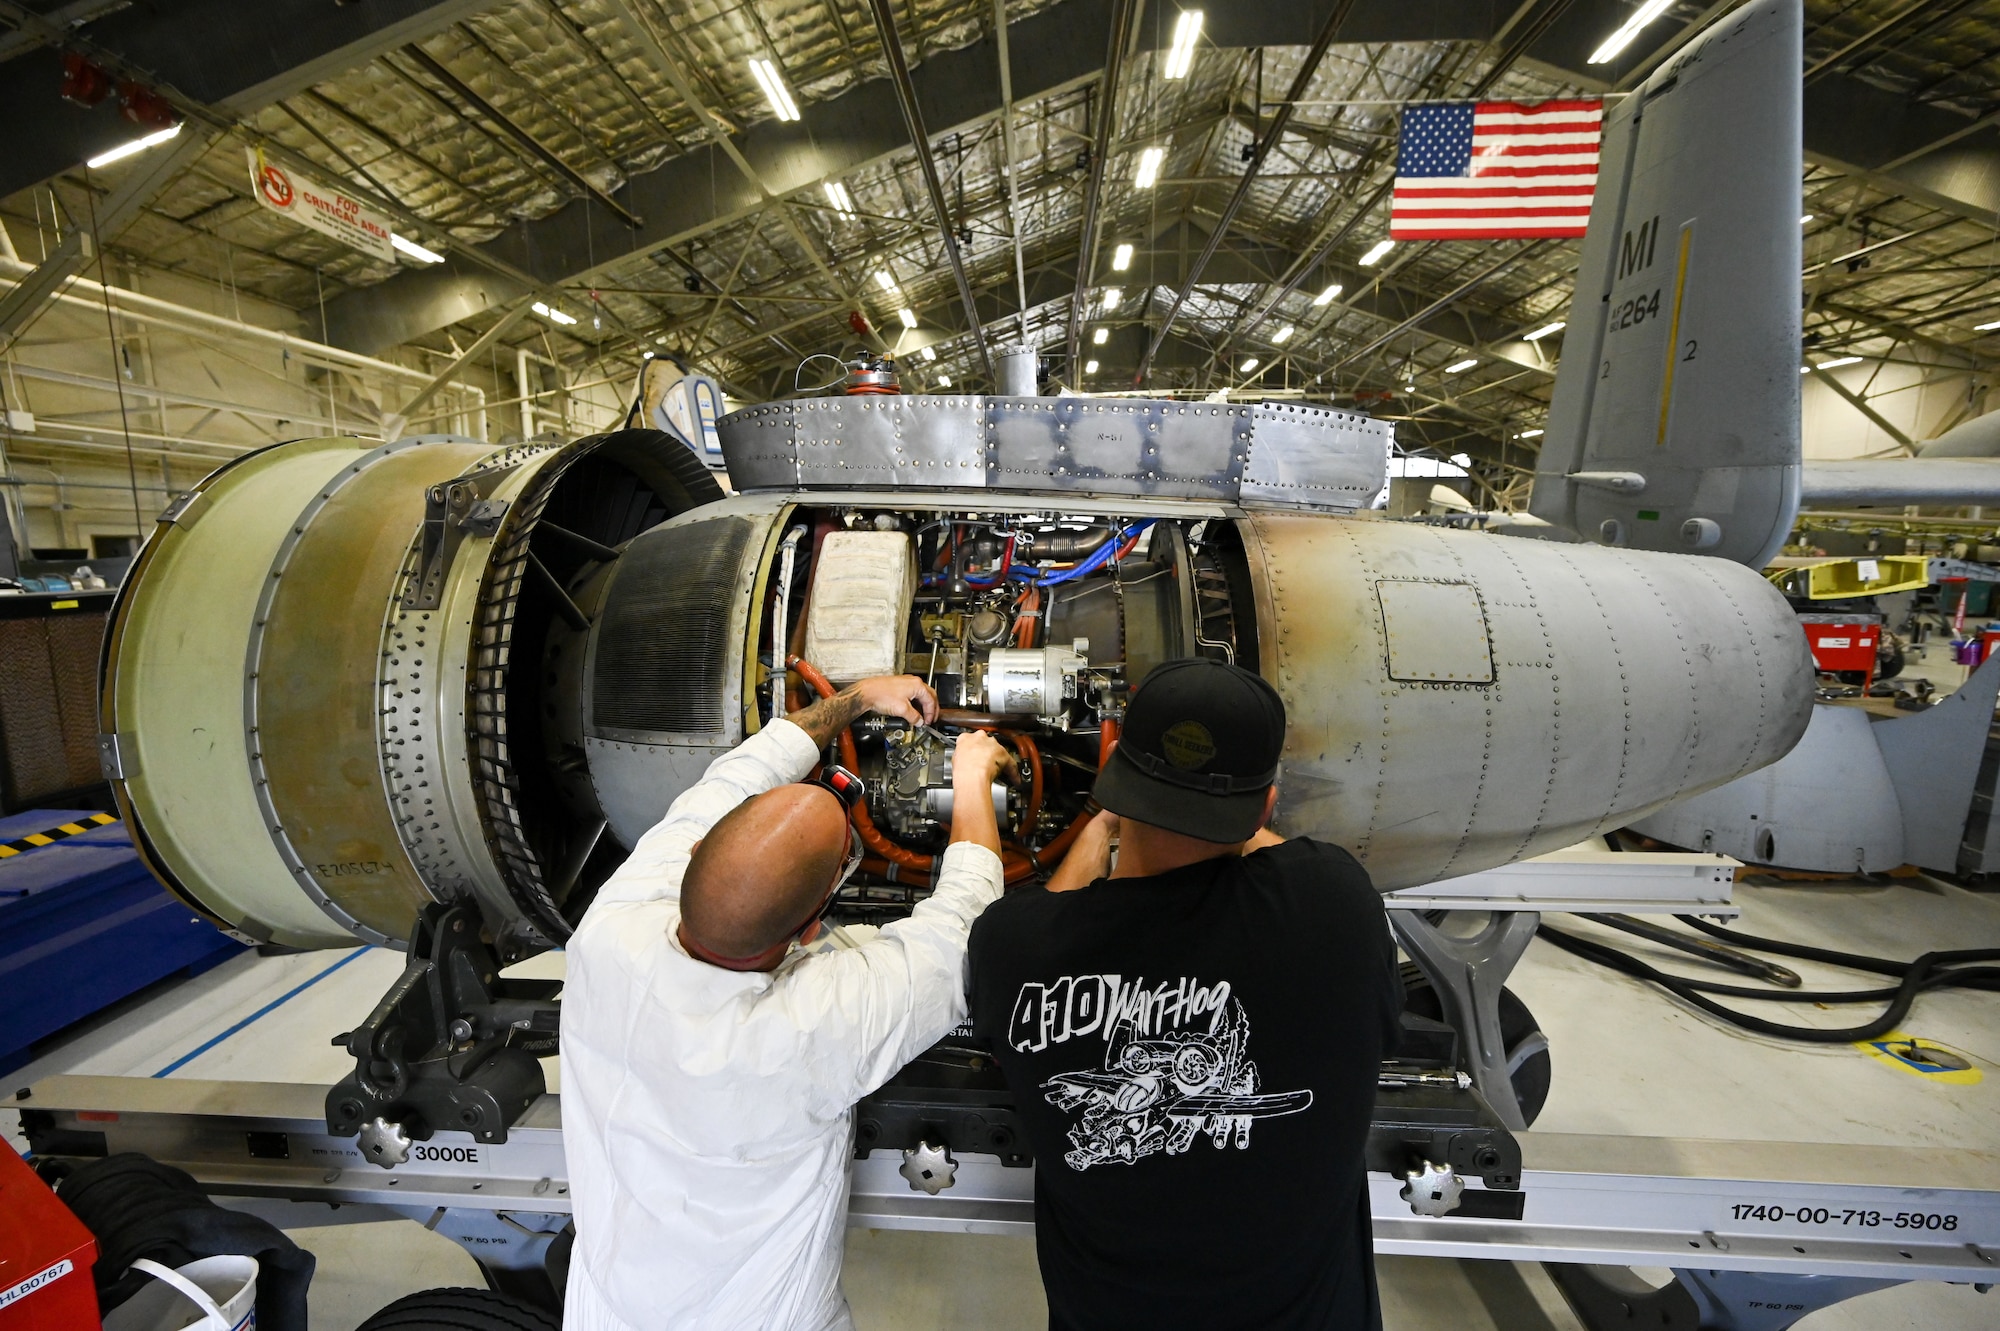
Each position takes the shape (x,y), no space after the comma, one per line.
(213,1294)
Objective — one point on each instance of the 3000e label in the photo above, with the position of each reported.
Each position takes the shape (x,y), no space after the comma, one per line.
(451,1155)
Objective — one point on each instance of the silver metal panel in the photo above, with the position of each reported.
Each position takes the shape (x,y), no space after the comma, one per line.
(757,447)
(635,783)
(1583,879)
(1291,464)
(1434,631)
(887,440)
(1303,457)
(1829,806)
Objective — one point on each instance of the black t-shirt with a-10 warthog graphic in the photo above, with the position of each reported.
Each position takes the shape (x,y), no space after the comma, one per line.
(1195,1056)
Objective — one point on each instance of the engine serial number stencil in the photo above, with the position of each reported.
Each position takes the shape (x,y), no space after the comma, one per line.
(1436,632)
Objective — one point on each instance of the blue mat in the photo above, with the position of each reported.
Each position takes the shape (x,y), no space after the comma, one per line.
(83,925)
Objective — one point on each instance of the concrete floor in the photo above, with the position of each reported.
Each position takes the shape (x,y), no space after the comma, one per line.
(1627,1060)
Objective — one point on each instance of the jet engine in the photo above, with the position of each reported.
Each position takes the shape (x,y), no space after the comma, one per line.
(345,681)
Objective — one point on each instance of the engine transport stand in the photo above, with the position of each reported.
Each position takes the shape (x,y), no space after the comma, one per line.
(1467,935)
(1760,1233)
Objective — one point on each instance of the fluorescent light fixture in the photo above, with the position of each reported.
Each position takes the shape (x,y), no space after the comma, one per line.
(1249,363)
(1622,38)
(837,195)
(1986,328)
(1090,367)
(1284,334)
(414,250)
(125,150)
(773,84)
(1112,295)
(1545,330)
(883,280)
(1529,434)
(1149,167)
(1121,258)
(1100,336)
(1839,361)
(1180,56)
(1375,253)
(551,314)
(1805,369)
(944,381)
(1461,459)
(1326,297)
(1459,367)
(908,316)
(1807,218)
(929,353)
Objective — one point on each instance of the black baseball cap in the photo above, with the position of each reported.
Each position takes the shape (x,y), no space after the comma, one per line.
(1199,749)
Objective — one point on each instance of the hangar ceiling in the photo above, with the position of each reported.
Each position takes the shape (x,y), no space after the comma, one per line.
(618,160)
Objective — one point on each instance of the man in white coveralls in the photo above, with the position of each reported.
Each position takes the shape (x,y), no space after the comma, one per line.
(710,1065)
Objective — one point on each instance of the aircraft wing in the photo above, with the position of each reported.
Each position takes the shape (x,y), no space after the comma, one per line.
(1926,480)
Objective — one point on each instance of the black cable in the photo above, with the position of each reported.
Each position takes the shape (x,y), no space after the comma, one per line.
(1933,970)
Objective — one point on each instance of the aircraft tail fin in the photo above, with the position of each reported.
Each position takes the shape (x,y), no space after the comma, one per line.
(1675,421)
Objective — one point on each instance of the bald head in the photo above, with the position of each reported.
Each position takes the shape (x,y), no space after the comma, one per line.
(762,869)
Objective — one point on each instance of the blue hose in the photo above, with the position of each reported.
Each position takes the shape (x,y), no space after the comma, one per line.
(1097,560)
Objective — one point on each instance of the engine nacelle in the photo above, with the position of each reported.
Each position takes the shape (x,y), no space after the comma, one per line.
(344,680)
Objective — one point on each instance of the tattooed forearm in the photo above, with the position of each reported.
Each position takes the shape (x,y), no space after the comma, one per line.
(825,719)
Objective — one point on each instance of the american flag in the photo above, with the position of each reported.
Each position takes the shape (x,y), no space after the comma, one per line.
(1493,170)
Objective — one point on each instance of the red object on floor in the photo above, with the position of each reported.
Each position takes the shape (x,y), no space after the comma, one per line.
(45,1256)
(1843,642)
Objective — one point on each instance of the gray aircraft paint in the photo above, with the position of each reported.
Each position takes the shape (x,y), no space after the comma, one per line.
(1856,796)
(1896,481)
(1976,438)
(1675,421)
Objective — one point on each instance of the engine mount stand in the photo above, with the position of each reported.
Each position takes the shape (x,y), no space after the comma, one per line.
(450,1046)
(1468,974)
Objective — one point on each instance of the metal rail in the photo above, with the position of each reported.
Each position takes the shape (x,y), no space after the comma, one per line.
(1883,1212)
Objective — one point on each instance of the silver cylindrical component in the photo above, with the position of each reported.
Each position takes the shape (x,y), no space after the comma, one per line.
(1032,681)
(1457,701)
(320,674)
(1016,365)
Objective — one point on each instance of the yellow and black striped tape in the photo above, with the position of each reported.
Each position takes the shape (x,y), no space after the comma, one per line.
(55,834)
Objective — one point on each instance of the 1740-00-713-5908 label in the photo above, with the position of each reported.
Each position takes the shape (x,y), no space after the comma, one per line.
(1846,1217)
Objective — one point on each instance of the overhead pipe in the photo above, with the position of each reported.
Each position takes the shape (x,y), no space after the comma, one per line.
(1272,135)
(1124,14)
(913,116)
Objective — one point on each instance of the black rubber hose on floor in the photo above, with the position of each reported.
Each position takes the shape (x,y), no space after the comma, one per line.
(1933,970)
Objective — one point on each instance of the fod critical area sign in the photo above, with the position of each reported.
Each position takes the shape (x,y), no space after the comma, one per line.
(324,209)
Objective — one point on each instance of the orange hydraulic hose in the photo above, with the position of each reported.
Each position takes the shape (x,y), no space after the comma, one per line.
(1015,865)
(871,836)
(1027,748)
(1107,739)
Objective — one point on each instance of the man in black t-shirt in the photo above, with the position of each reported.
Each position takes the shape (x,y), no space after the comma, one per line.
(1193,1041)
